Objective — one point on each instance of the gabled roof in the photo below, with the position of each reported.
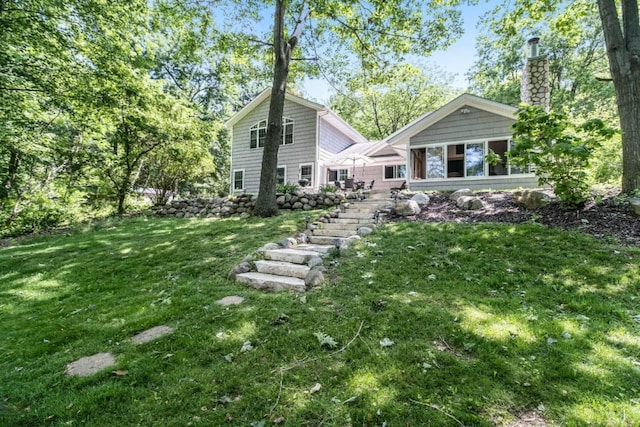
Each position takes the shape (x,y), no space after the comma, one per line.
(401,136)
(332,118)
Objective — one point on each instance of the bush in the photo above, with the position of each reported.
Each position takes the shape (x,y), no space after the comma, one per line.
(328,188)
(286,188)
(559,150)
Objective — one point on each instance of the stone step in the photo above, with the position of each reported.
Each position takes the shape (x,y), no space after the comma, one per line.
(321,249)
(355,221)
(294,256)
(270,282)
(281,268)
(334,233)
(340,226)
(355,215)
(327,240)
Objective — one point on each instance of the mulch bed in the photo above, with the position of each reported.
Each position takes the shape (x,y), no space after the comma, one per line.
(605,218)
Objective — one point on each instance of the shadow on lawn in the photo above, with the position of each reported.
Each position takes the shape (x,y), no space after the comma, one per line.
(486,329)
(489,322)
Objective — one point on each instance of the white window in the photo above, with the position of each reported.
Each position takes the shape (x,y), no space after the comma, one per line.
(238,180)
(281,175)
(474,159)
(306,173)
(435,162)
(395,172)
(258,133)
(462,160)
(338,174)
(287,131)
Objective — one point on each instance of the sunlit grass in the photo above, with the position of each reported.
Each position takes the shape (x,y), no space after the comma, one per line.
(488,322)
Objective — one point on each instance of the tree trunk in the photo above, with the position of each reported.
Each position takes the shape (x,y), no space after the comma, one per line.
(623,51)
(266,204)
(14,164)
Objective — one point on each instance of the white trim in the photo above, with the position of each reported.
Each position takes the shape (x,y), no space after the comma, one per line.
(484,141)
(264,95)
(311,184)
(285,172)
(233,180)
(406,171)
(403,135)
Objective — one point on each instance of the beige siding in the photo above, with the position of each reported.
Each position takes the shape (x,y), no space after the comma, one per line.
(331,139)
(303,150)
(488,183)
(477,124)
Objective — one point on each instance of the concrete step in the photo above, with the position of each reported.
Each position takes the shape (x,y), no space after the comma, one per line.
(321,249)
(327,240)
(280,268)
(334,233)
(294,256)
(270,282)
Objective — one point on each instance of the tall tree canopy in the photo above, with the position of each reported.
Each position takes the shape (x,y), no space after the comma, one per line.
(379,103)
(90,90)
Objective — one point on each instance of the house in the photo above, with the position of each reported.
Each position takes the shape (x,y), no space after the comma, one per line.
(315,145)
(446,149)
(440,150)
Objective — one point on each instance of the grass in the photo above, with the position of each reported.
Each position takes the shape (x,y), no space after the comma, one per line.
(488,322)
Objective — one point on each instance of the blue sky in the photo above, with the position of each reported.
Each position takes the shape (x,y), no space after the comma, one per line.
(456,60)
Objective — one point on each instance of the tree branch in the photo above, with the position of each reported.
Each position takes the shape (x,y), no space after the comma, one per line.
(260,42)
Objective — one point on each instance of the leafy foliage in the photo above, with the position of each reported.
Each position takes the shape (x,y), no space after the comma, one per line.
(325,340)
(559,150)
(286,188)
(378,103)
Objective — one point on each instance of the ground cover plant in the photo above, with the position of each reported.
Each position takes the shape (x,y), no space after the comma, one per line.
(420,324)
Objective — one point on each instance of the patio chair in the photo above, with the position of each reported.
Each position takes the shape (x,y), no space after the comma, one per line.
(396,190)
(348,184)
(370,186)
(338,185)
(402,187)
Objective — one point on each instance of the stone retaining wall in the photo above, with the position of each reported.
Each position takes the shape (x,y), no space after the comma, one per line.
(244,204)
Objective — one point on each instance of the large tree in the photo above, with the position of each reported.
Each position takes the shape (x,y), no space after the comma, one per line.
(371,33)
(621,28)
(622,34)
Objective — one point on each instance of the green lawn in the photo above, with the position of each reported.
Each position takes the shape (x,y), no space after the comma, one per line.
(488,322)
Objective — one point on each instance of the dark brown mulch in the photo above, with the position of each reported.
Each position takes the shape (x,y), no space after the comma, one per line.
(607,217)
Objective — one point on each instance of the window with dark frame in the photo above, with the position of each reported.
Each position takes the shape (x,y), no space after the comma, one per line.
(238,180)
(258,133)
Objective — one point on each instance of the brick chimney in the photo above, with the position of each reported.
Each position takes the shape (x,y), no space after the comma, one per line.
(535,88)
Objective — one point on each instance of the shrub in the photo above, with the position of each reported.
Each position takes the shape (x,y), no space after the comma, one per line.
(559,150)
(328,188)
(287,187)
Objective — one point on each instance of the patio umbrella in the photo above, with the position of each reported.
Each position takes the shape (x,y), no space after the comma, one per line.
(354,159)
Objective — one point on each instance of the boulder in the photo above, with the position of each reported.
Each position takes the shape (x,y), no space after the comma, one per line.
(635,205)
(531,199)
(469,203)
(364,231)
(421,199)
(464,192)
(314,260)
(243,267)
(314,278)
(407,208)
(289,242)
